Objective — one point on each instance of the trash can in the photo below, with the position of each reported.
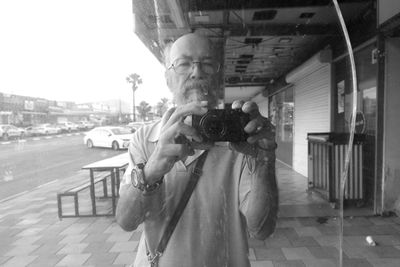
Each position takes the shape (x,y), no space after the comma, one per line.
(326,163)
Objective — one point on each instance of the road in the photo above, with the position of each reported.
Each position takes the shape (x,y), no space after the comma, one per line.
(32,162)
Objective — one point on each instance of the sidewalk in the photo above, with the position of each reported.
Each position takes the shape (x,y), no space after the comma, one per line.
(32,235)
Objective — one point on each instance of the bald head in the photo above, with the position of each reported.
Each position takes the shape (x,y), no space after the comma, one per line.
(190,45)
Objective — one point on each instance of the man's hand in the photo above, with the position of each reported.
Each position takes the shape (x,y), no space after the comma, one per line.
(173,142)
(261,131)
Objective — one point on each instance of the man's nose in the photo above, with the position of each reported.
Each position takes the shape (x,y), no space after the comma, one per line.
(197,71)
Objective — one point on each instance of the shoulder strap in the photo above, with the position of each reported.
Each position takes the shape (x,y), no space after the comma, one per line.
(194,178)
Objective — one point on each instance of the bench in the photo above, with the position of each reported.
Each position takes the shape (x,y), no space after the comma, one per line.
(73,192)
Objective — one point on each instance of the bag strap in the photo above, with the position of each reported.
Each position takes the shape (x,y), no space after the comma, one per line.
(194,178)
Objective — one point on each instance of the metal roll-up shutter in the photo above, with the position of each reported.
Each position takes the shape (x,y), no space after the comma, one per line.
(312,104)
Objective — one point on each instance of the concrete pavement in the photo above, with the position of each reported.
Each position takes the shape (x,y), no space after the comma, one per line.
(32,235)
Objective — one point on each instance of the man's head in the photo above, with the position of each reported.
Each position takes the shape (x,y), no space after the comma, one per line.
(191,69)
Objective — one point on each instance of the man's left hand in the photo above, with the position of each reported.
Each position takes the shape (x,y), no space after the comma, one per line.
(261,131)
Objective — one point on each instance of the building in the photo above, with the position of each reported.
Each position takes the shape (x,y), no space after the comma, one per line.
(24,111)
(291,58)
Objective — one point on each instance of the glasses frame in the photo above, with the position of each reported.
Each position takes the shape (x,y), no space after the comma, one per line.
(218,67)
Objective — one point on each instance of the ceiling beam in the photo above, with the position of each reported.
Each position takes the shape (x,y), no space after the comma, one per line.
(209,5)
(275,29)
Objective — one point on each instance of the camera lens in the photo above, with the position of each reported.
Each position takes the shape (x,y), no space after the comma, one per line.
(212,126)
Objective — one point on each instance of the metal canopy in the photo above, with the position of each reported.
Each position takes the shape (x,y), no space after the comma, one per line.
(260,40)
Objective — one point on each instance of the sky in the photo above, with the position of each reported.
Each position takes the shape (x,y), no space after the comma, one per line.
(75,50)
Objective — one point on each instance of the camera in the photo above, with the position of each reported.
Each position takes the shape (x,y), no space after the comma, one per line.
(225,125)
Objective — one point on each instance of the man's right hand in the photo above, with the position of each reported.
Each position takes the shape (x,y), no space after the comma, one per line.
(169,149)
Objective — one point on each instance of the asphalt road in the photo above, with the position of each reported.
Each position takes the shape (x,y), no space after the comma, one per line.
(29,163)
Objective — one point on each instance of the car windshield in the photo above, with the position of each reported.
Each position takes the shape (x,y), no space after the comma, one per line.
(119,131)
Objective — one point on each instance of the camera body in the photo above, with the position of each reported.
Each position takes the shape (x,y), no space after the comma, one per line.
(222,125)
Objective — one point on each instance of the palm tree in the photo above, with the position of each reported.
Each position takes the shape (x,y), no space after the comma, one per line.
(162,106)
(143,109)
(135,80)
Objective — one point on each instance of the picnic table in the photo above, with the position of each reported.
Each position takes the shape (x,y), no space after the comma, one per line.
(112,165)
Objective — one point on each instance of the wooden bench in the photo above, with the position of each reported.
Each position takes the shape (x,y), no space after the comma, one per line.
(73,192)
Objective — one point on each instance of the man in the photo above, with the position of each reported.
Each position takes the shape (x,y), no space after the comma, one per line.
(236,194)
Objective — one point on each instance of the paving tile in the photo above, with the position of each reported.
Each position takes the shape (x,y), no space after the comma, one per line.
(19,261)
(46,260)
(321,262)
(26,240)
(74,259)
(385,262)
(328,240)
(286,232)
(31,231)
(47,249)
(269,254)
(379,220)
(125,258)
(128,246)
(261,264)
(386,252)
(96,237)
(298,253)
(288,222)
(305,241)
(21,250)
(119,237)
(307,231)
(387,240)
(103,247)
(277,242)
(359,252)
(356,263)
(72,249)
(3,259)
(74,229)
(324,252)
(358,221)
(73,239)
(256,243)
(288,263)
(328,230)
(384,230)
(105,259)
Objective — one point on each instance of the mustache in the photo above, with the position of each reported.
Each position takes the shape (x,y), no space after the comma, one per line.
(202,85)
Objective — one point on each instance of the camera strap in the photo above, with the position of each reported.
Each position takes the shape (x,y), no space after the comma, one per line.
(162,245)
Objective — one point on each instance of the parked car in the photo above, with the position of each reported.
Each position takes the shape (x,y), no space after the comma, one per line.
(68,126)
(47,128)
(108,136)
(85,125)
(10,131)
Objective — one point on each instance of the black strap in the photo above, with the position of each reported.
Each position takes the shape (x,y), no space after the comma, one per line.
(194,178)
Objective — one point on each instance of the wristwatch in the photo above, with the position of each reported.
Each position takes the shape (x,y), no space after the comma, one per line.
(138,180)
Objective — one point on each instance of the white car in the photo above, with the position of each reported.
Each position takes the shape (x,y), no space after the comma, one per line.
(68,126)
(46,129)
(108,136)
(10,131)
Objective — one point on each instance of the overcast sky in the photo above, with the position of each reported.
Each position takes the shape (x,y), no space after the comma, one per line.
(75,50)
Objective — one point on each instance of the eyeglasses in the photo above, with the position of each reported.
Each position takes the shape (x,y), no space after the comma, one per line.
(184,66)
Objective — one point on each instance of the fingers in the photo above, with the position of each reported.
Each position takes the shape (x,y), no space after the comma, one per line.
(197,108)
(180,129)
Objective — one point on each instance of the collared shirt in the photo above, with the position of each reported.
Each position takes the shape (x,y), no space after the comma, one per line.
(212,229)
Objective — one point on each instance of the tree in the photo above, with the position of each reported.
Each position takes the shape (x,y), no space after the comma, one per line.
(135,80)
(162,106)
(143,109)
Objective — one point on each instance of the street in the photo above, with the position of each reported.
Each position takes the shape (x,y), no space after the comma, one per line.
(29,163)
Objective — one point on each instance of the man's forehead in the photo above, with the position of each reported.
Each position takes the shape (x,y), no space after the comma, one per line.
(191,46)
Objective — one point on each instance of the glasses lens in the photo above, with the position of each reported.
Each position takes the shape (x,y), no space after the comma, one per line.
(183,66)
